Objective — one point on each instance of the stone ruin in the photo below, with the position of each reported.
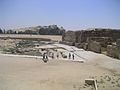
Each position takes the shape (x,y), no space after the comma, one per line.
(114,49)
(105,41)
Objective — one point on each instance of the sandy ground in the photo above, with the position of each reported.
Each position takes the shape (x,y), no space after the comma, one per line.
(52,37)
(20,73)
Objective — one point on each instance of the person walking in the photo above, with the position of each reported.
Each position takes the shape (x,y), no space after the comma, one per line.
(73,56)
(57,55)
(69,55)
(43,56)
(46,56)
(52,55)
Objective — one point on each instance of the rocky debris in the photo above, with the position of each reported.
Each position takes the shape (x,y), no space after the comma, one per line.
(108,81)
(22,47)
(104,82)
(34,48)
(8,45)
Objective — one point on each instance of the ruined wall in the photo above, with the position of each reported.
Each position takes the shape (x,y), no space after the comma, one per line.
(114,49)
(94,46)
(96,40)
(82,36)
(118,47)
(118,42)
(104,41)
(69,36)
(104,36)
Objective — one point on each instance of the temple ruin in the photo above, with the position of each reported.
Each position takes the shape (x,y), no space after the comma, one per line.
(106,41)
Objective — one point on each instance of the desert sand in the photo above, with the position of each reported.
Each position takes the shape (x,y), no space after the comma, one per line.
(52,37)
(31,73)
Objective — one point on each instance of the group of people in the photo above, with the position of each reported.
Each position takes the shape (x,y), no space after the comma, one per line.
(45,56)
(53,56)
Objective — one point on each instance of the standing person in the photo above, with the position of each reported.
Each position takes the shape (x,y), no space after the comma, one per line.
(73,56)
(43,56)
(69,55)
(46,55)
(57,55)
(52,55)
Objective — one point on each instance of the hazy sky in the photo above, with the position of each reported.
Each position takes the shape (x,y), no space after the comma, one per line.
(71,14)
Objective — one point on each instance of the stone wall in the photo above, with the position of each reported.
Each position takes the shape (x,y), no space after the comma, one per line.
(69,36)
(104,41)
(83,35)
(94,46)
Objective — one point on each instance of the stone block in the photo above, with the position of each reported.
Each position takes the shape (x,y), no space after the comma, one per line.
(89,81)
